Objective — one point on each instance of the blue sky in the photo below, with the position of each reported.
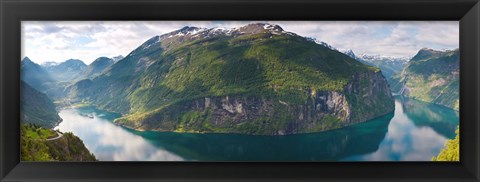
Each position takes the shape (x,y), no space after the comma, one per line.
(58,41)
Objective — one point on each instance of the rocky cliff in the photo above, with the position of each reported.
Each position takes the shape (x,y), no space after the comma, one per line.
(431,76)
(367,96)
(69,148)
(38,144)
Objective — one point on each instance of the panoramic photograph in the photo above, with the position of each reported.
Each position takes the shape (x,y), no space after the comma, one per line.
(239,91)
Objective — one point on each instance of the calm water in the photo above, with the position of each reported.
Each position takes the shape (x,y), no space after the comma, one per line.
(416,131)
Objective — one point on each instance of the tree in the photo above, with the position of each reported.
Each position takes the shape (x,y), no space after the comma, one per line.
(451,150)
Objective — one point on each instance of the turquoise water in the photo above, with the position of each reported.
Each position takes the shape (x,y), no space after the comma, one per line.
(416,131)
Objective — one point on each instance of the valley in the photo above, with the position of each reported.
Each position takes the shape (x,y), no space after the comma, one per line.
(234,90)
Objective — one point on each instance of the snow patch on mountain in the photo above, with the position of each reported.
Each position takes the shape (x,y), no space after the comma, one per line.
(322,43)
(49,64)
(368,57)
(349,53)
(117,58)
(196,32)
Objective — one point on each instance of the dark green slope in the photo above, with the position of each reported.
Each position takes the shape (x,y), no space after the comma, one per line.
(36,108)
(35,75)
(40,79)
(432,76)
(256,79)
(96,68)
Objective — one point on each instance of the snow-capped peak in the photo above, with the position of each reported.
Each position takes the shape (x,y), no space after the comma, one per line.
(368,57)
(326,45)
(196,32)
(254,28)
(187,30)
(117,58)
(220,30)
(349,53)
(272,27)
(49,64)
(322,43)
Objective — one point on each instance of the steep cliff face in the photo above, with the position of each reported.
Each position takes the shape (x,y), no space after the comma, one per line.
(69,148)
(367,96)
(431,76)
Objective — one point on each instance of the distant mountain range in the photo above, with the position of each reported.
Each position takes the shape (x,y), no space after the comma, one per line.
(51,78)
(389,65)
(65,71)
(75,70)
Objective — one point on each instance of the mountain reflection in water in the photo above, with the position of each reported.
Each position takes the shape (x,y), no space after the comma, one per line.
(416,131)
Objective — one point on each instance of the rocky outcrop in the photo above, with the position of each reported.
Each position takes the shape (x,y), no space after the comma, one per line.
(365,97)
(369,96)
(69,148)
(50,145)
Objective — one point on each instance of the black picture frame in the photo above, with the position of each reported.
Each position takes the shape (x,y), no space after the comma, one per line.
(12,12)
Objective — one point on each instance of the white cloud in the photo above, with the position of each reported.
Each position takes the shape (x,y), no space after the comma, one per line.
(58,41)
(401,39)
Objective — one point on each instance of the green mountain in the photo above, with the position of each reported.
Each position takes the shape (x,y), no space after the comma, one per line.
(431,76)
(36,108)
(96,68)
(256,79)
(36,147)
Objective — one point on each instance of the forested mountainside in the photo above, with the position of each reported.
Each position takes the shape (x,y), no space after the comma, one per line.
(38,117)
(36,108)
(96,68)
(36,147)
(431,76)
(34,75)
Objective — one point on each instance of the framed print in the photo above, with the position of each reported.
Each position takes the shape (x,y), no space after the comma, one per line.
(252,91)
(229,90)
